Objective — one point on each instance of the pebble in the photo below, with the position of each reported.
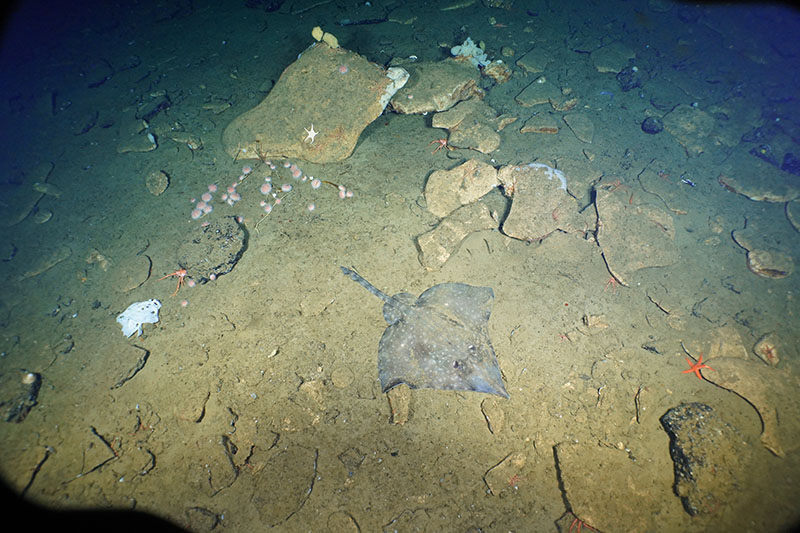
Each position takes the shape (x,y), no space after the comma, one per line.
(652,125)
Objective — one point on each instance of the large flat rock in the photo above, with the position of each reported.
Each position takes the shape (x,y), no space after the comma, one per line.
(437,86)
(709,455)
(538,92)
(447,190)
(774,395)
(606,489)
(633,237)
(473,125)
(691,127)
(612,58)
(541,204)
(19,196)
(757,180)
(439,244)
(535,61)
(337,91)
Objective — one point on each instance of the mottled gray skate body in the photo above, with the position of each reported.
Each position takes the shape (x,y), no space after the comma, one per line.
(439,340)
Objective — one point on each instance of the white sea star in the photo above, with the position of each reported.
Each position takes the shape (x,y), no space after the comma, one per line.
(311,134)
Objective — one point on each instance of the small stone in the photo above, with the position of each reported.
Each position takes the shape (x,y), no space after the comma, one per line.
(342,377)
(767,349)
(629,78)
(652,125)
(535,61)
(769,264)
(47,188)
(42,215)
(494,415)
(595,321)
(498,71)
(540,123)
(400,403)
(505,474)
(96,257)
(691,127)
(791,164)
(157,182)
(563,105)
(793,214)
(192,141)
(472,124)
(581,125)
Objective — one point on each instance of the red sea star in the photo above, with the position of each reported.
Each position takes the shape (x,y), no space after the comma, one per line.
(696,367)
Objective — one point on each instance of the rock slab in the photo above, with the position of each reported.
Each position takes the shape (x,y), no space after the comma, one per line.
(213,250)
(447,190)
(775,396)
(605,488)
(633,237)
(436,87)
(439,244)
(336,91)
(707,452)
(541,204)
(473,125)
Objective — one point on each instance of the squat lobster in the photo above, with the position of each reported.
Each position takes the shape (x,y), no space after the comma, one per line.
(180,273)
(442,144)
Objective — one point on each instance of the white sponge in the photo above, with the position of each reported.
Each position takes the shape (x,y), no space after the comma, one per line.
(471,51)
(138,313)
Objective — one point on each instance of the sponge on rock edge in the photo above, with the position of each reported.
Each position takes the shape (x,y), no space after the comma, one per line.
(329,38)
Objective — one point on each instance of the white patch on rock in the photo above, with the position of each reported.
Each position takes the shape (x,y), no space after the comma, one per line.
(399,77)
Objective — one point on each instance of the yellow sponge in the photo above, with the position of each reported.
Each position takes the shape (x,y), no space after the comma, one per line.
(329,38)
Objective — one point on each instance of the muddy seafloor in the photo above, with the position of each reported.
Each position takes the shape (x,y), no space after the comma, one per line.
(258,403)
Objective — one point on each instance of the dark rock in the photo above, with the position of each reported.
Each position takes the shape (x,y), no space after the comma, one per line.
(8,251)
(18,393)
(791,164)
(213,250)
(689,14)
(762,134)
(267,5)
(663,103)
(652,125)
(154,108)
(708,454)
(629,78)
(778,94)
(764,152)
